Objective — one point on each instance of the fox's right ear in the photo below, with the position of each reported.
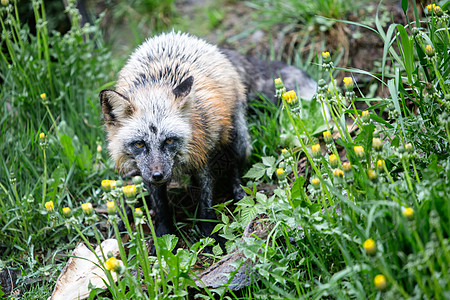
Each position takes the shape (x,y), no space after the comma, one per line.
(115,107)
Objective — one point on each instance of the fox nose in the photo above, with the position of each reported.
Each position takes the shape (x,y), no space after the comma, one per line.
(157,176)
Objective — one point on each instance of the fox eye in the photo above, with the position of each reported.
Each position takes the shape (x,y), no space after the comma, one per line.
(169,141)
(139,144)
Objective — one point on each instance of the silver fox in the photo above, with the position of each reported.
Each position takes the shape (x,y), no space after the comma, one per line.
(179,104)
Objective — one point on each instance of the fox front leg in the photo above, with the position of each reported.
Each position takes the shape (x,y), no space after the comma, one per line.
(160,205)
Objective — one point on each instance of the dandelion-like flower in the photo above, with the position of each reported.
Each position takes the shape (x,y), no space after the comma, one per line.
(316,151)
(129,191)
(370,246)
(333,161)
(326,55)
(43,96)
(106,185)
(113,264)
(380,282)
(280,172)
(365,116)
(316,183)
(377,144)
(290,97)
(137,180)
(66,211)
(372,174)
(49,206)
(408,212)
(327,137)
(338,173)
(380,165)
(42,135)
(348,83)
(347,166)
(87,208)
(408,147)
(359,151)
(111,207)
(429,50)
(138,211)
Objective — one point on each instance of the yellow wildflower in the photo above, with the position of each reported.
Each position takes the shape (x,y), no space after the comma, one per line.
(326,55)
(429,50)
(338,173)
(315,182)
(49,206)
(280,172)
(43,96)
(106,184)
(112,264)
(347,166)
(359,151)
(316,150)
(377,144)
(333,160)
(380,282)
(327,137)
(348,83)
(138,211)
(66,211)
(129,191)
(87,208)
(370,246)
(111,207)
(380,165)
(42,135)
(372,174)
(290,97)
(408,212)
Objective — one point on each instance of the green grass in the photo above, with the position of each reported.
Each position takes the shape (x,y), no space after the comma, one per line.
(395,194)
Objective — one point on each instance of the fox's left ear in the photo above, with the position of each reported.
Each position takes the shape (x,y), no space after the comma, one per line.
(184,88)
(115,107)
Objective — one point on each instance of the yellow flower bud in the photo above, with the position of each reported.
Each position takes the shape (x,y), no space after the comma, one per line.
(429,50)
(42,135)
(138,211)
(99,148)
(365,116)
(5,2)
(326,55)
(315,182)
(87,208)
(66,211)
(327,137)
(43,96)
(338,173)
(112,264)
(49,206)
(333,160)
(347,166)
(316,150)
(290,97)
(408,212)
(129,191)
(280,172)
(359,151)
(111,207)
(106,185)
(370,246)
(348,83)
(380,282)
(372,174)
(380,165)
(377,144)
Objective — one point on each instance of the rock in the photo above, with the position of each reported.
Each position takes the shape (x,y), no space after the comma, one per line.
(81,270)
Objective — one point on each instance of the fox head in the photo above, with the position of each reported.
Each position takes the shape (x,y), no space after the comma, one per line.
(149,128)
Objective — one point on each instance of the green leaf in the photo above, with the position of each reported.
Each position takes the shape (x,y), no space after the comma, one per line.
(66,143)
(407,47)
(256,172)
(297,187)
(405,5)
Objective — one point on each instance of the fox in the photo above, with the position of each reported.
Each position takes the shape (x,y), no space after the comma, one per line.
(180,103)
